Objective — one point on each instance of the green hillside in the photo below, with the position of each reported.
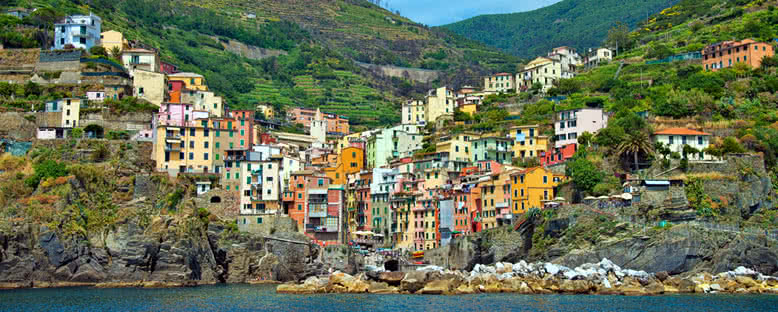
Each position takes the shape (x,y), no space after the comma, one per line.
(321,39)
(576,23)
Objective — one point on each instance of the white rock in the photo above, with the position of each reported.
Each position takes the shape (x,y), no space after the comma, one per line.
(715,287)
(551,268)
(499,267)
(606,283)
(571,274)
(743,271)
(430,268)
(637,274)
(608,265)
(505,276)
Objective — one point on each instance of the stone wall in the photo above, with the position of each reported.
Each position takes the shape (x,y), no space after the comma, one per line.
(415,74)
(269,225)
(124,122)
(14,125)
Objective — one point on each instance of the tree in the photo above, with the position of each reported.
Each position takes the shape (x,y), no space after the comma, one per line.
(116,53)
(45,18)
(98,51)
(536,88)
(585,139)
(610,136)
(618,37)
(634,144)
(583,172)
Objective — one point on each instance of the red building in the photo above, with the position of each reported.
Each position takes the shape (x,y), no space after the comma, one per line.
(174,89)
(557,155)
(168,68)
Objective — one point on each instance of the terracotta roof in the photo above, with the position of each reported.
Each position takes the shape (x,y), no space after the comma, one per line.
(680,131)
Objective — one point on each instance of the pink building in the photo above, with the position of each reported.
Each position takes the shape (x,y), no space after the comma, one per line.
(336,125)
(570,124)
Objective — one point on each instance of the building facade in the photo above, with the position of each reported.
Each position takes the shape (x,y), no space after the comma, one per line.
(80,31)
(570,124)
(728,53)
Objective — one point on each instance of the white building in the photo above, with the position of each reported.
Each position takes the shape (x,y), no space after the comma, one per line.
(440,102)
(147,60)
(97,96)
(569,58)
(319,127)
(570,124)
(601,55)
(676,138)
(413,112)
(501,82)
(81,31)
(543,71)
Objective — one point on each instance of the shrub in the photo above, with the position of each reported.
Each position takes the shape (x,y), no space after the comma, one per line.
(77,133)
(46,169)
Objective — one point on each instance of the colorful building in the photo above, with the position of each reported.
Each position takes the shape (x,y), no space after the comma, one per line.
(79,31)
(728,53)
(494,148)
(191,81)
(413,112)
(337,125)
(532,188)
(677,138)
(528,141)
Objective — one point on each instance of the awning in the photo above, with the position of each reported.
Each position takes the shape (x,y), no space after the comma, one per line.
(590,198)
(656,183)
(560,198)
(602,197)
(626,196)
(317,191)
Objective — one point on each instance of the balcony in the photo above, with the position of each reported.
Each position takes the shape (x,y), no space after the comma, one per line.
(320,228)
(173,137)
(235,158)
(172,148)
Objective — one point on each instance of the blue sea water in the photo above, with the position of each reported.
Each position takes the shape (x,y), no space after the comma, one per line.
(264,298)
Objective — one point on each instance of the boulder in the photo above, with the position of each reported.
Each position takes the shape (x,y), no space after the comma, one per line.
(413,281)
(464,289)
(716,287)
(381,288)
(746,281)
(391,278)
(438,287)
(662,275)
(576,287)
(686,286)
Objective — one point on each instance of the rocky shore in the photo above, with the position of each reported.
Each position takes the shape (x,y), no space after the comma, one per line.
(603,278)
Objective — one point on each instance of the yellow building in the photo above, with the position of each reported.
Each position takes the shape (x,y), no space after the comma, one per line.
(350,160)
(469,108)
(266,110)
(184,149)
(110,39)
(458,146)
(529,142)
(532,187)
(402,203)
(495,194)
(191,81)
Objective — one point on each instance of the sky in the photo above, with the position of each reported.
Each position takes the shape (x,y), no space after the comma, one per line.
(441,12)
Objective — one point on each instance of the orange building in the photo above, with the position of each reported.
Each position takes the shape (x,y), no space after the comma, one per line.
(351,160)
(728,53)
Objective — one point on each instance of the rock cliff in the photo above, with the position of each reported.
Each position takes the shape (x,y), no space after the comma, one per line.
(169,252)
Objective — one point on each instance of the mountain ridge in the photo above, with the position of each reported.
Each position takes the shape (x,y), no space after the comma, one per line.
(577,23)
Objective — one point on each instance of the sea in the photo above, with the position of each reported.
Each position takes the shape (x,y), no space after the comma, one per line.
(264,298)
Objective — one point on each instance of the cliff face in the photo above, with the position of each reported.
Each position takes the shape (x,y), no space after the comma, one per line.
(168,252)
(680,249)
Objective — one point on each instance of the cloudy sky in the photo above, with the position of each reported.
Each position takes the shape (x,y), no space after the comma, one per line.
(440,12)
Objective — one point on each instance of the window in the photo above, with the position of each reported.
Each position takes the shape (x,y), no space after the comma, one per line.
(191,144)
(191,156)
(205,144)
(205,156)
(545,179)
(192,132)
(241,142)
(321,182)
(299,207)
(683,139)
(299,195)
(671,139)
(218,133)
(217,156)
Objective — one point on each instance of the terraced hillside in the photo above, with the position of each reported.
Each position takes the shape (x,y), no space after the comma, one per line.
(318,42)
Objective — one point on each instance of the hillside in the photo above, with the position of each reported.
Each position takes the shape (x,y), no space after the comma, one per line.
(316,48)
(576,23)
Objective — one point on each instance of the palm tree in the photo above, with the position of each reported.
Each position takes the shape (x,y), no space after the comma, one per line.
(635,143)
